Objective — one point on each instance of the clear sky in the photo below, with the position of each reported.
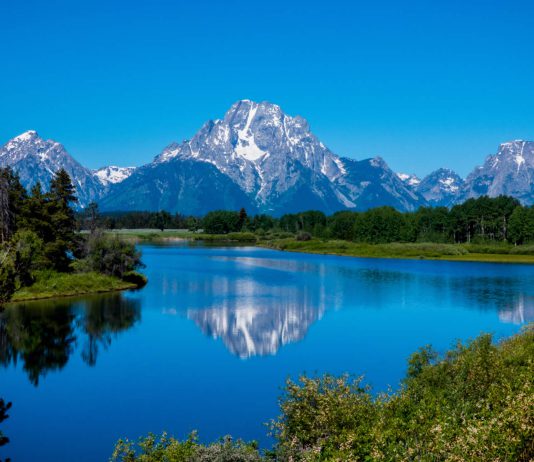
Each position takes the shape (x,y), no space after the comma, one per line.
(424,84)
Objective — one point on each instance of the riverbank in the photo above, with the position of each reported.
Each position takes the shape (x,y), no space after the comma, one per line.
(452,252)
(50,284)
(170,235)
(490,253)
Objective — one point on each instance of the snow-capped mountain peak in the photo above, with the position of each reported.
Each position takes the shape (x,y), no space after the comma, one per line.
(37,160)
(409,179)
(509,172)
(26,136)
(441,187)
(113,174)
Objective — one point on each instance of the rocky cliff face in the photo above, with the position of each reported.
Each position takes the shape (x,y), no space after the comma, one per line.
(280,166)
(509,172)
(442,187)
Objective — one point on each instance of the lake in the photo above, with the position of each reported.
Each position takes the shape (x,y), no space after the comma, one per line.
(209,342)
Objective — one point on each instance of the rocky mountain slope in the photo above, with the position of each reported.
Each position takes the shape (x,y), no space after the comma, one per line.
(509,172)
(36,160)
(442,187)
(277,162)
(262,159)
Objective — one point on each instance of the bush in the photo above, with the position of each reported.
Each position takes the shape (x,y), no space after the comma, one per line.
(108,255)
(475,403)
(165,448)
(303,236)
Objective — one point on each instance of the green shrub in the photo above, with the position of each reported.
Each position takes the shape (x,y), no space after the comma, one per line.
(168,449)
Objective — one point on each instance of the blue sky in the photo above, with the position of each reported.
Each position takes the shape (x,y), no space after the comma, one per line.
(424,84)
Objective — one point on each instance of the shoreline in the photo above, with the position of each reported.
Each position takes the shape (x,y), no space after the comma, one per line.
(408,251)
(68,285)
(469,258)
(69,295)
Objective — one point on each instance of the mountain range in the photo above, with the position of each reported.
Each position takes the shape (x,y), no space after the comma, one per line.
(262,159)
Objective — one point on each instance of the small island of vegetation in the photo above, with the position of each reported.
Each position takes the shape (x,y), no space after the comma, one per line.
(41,253)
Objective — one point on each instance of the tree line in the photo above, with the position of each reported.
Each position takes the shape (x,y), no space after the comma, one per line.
(485,219)
(38,232)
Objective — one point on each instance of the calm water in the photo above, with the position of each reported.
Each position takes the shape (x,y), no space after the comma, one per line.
(208,343)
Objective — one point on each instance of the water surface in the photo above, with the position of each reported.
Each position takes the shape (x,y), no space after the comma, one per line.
(208,343)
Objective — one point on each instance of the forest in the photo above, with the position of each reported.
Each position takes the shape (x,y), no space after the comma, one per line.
(481,220)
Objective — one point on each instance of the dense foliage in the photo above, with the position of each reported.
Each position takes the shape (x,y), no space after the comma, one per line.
(90,219)
(500,219)
(167,449)
(38,232)
(474,403)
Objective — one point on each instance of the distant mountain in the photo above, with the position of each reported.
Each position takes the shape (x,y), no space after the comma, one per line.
(113,174)
(181,185)
(262,159)
(409,179)
(509,172)
(371,183)
(275,162)
(36,160)
(442,187)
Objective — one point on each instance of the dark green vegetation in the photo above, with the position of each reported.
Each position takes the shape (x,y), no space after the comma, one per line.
(474,403)
(422,250)
(484,229)
(42,255)
(484,220)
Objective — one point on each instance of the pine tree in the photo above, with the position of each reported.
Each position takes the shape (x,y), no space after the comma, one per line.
(12,198)
(242,218)
(6,220)
(63,220)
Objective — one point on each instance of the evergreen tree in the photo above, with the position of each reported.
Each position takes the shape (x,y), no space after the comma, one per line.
(63,220)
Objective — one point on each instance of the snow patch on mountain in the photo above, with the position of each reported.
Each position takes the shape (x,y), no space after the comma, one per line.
(113,174)
(409,178)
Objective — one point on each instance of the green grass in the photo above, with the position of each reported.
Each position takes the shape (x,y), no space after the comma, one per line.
(455,252)
(151,235)
(497,253)
(50,284)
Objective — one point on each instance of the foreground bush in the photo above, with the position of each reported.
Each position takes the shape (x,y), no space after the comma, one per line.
(168,449)
(475,403)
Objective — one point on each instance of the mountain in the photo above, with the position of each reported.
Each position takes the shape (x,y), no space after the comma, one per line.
(509,172)
(262,159)
(370,183)
(277,164)
(409,179)
(184,185)
(442,187)
(37,160)
(113,174)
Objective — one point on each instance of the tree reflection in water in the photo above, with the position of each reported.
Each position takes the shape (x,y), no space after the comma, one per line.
(4,407)
(43,335)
